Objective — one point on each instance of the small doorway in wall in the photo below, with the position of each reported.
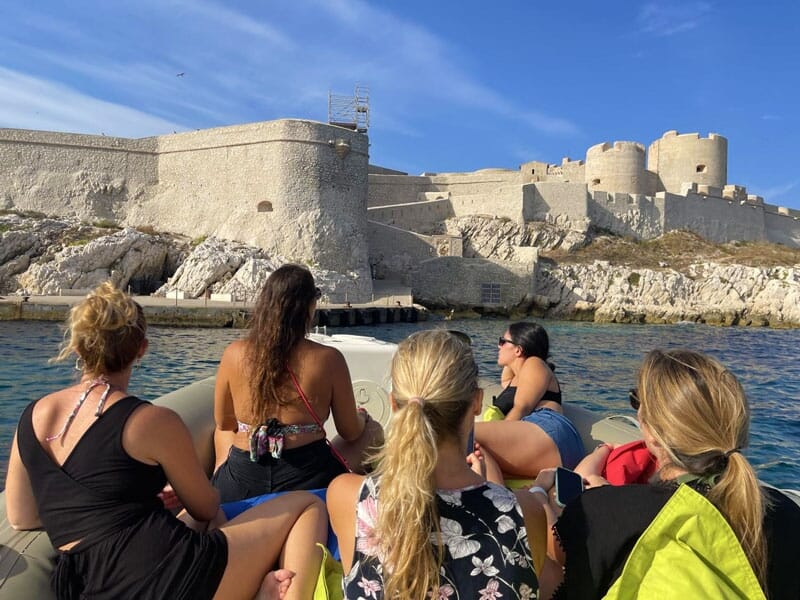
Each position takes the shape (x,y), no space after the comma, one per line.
(701,169)
(264,206)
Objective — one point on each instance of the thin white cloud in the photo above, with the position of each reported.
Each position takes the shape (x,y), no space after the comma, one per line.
(427,67)
(769,117)
(668,18)
(771,193)
(31,103)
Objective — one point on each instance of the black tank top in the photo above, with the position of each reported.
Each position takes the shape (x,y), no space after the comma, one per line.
(505,399)
(99,489)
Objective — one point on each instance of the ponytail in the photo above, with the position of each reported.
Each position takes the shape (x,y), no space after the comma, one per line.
(434,380)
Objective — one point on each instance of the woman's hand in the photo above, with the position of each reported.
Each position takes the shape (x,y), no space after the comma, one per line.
(170,498)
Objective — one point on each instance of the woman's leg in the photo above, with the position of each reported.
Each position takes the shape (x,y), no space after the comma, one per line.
(284,532)
(521,449)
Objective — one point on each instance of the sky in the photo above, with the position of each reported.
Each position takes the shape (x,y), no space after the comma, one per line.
(453,86)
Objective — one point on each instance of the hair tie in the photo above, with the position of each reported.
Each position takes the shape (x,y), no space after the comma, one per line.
(416,400)
(732,451)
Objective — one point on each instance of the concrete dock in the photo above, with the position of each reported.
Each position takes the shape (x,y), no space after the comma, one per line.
(200,312)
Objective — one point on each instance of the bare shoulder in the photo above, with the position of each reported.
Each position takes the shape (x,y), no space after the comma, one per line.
(325,355)
(235,351)
(535,367)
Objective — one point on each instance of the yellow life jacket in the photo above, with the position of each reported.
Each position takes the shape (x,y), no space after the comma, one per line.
(688,551)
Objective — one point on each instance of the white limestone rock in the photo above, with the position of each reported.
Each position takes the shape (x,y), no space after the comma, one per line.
(714,293)
(119,257)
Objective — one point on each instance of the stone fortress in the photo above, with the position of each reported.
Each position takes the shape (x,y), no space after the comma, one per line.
(305,191)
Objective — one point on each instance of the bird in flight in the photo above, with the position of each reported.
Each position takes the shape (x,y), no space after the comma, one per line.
(181,74)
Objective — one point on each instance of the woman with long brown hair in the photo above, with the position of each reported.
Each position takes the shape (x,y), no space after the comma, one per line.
(272,390)
(425,524)
(90,462)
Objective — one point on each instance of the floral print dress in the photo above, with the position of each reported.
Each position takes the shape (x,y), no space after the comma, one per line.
(486,546)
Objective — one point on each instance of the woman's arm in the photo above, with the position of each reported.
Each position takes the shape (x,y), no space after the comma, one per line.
(532,383)
(155,434)
(21,508)
(341,499)
(349,422)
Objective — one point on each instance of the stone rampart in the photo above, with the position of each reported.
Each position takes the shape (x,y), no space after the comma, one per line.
(633,215)
(548,201)
(416,216)
(505,201)
(715,218)
(469,282)
(782,228)
(73,175)
(394,252)
(280,185)
(397,189)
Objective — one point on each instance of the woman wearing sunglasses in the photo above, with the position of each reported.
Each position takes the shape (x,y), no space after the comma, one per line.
(535,434)
(273,391)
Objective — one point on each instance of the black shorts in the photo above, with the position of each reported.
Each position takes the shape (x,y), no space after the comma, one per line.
(308,467)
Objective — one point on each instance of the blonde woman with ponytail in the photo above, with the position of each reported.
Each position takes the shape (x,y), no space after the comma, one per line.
(695,419)
(425,524)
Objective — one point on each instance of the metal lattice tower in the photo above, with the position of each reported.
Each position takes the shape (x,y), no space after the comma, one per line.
(350,111)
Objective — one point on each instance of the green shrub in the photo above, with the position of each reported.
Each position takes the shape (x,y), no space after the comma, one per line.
(199,240)
(633,279)
(105,224)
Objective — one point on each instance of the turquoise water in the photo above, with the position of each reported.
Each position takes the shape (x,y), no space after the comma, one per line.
(596,365)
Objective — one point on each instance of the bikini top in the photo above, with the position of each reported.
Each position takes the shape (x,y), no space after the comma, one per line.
(269,436)
(505,399)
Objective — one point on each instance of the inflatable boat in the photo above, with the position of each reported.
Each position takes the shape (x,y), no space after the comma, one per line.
(27,557)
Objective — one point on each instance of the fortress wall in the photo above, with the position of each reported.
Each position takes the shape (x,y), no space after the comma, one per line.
(74,175)
(547,201)
(395,252)
(634,215)
(573,170)
(415,216)
(617,168)
(504,200)
(679,158)
(782,228)
(534,170)
(716,219)
(451,281)
(398,189)
(280,185)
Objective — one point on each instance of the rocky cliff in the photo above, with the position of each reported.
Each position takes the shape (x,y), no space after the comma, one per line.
(47,256)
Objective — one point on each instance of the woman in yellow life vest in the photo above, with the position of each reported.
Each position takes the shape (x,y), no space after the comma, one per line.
(704,517)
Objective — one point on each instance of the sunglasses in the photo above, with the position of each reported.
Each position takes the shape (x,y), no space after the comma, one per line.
(503,341)
(317,293)
(633,397)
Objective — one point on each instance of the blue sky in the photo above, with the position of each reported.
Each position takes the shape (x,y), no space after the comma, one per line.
(454,86)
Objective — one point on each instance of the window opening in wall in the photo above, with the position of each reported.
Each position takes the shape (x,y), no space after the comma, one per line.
(533,171)
(490,293)
(265,206)
(701,169)
(595,182)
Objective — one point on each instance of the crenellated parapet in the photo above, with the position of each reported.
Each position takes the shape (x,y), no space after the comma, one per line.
(679,158)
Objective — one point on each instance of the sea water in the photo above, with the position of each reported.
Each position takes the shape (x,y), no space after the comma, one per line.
(596,365)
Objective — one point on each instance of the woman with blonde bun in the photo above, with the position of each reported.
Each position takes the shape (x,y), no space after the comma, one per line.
(90,464)
(695,420)
(425,524)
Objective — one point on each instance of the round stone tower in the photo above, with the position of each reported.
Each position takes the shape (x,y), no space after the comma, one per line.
(688,158)
(617,168)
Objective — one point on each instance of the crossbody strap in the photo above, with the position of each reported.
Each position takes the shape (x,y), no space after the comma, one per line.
(314,416)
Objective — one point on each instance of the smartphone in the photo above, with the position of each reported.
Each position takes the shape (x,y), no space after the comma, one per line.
(569,485)
(471,442)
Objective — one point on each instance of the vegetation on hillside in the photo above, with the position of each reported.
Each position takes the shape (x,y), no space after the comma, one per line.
(675,250)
